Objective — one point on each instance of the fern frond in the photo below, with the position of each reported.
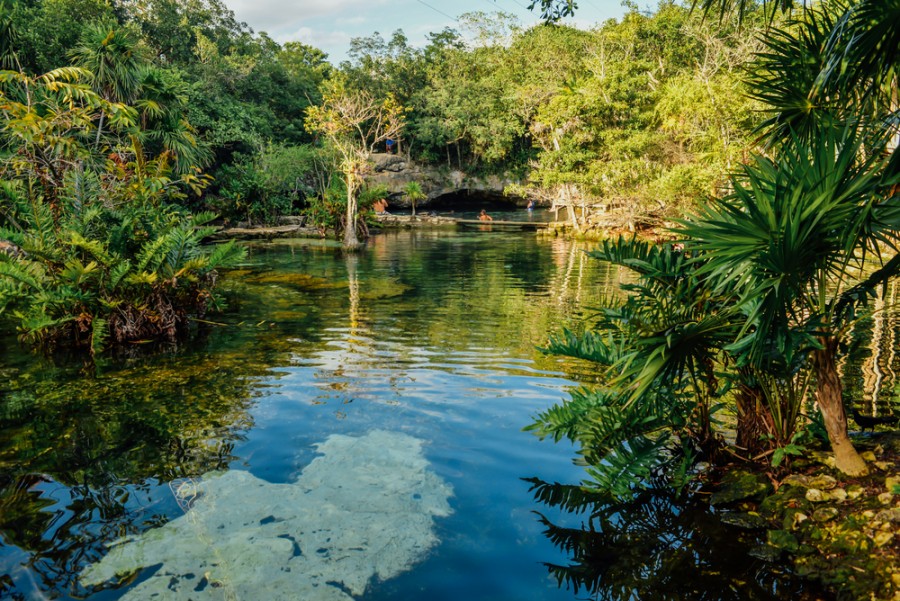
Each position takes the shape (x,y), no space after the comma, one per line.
(226,255)
(99,335)
(630,465)
(118,271)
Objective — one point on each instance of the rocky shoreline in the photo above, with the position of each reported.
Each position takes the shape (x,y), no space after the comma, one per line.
(843,533)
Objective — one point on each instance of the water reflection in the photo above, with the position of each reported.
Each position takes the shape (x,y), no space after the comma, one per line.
(655,547)
(870,368)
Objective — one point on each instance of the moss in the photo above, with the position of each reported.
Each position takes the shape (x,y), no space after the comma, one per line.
(739,485)
(847,539)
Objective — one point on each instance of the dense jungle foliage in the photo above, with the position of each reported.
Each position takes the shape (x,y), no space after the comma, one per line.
(120,119)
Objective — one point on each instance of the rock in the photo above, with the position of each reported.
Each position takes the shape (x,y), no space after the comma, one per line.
(891,482)
(395,172)
(868,456)
(765,552)
(889,515)
(822,482)
(796,480)
(885,498)
(814,495)
(838,494)
(794,518)
(883,538)
(747,521)
(387,162)
(855,491)
(8,248)
(825,514)
(884,466)
(738,486)
(826,459)
(782,539)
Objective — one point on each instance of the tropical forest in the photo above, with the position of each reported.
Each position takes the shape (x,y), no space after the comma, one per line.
(527,306)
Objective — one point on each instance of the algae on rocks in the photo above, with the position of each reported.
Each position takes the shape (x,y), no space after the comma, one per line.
(363,509)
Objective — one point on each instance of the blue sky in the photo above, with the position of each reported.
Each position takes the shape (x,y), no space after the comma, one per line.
(330,24)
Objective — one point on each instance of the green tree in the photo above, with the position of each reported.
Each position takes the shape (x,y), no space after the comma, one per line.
(354,123)
(413,192)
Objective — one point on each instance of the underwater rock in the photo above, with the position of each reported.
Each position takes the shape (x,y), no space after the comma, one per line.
(782,539)
(739,485)
(765,553)
(363,509)
(746,521)
(838,494)
(883,538)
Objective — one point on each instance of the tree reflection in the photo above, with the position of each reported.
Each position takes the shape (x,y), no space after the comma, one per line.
(654,547)
(85,461)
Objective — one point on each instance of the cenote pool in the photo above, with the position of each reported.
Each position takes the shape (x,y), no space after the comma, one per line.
(350,428)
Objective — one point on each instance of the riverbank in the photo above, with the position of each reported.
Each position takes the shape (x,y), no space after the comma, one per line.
(841,532)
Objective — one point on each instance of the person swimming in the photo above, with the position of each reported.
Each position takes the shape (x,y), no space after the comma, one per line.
(483,216)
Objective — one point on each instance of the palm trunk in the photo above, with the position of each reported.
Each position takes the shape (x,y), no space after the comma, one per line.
(828,395)
(754,422)
(99,129)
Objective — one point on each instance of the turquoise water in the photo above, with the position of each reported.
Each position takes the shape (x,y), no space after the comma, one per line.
(431,334)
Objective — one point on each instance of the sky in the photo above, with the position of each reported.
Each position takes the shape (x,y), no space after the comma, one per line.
(330,24)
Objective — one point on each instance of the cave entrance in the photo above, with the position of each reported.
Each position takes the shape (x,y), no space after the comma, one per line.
(472,201)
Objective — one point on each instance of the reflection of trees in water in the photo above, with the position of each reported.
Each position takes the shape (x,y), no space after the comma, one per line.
(869,369)
(655,547)
(84,461)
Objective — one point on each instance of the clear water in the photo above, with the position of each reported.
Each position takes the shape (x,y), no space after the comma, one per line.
(428,333)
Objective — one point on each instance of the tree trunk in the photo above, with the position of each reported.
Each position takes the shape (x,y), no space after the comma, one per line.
(754,421)
(351,242)
(828,395)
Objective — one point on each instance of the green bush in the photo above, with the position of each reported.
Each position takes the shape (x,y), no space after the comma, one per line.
(93,275)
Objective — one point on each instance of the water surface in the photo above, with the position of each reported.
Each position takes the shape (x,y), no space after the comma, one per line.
(430,334)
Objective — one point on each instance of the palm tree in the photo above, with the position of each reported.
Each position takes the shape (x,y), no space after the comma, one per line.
(110,53)
(792,240)
(414,193)
(659,354)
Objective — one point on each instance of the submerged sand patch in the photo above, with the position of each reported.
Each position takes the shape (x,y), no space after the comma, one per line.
(363,509)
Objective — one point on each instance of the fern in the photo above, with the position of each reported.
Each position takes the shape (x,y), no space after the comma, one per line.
(99,335)
(93,248)
(26,274)
(78,273)
(630,465)
(119,270)
(599,347)
(153,253)
(226,255)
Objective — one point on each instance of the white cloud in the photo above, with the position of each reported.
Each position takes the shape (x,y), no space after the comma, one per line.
(316,37)
(277,14)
